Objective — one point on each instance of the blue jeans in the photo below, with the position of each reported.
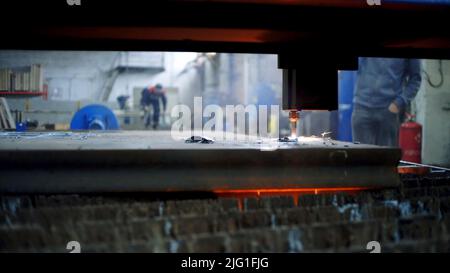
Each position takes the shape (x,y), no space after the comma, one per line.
(377,126)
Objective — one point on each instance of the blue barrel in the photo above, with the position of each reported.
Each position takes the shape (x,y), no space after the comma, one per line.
(346,87)
(94,117)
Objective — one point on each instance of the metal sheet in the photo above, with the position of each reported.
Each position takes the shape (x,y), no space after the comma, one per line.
(154,161)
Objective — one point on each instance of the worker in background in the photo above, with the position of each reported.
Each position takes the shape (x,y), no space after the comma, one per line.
(384,88)
(151,96)
(122,100)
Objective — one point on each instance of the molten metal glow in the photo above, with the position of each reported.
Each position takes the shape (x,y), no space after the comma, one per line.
(293,118)
(285,191)
(413,170)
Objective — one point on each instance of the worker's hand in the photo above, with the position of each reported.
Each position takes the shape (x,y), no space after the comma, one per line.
(393,108)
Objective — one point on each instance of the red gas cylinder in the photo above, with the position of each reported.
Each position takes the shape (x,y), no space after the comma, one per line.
(410,140)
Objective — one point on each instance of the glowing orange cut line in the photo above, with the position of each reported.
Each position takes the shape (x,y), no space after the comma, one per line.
(293,190)
(285,191)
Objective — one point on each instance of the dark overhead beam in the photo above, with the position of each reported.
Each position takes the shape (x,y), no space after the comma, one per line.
(344,27)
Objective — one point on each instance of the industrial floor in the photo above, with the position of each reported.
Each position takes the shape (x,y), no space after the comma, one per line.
(412,218)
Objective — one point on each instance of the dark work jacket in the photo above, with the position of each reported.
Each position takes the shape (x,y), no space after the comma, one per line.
(151,96)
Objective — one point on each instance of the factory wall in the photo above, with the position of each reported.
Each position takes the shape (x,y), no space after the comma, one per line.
(49,112)
(74,79)
(432,109)
(256,79)
(241,79)
(77,78)
(238,78)
(70,75)
(171,76)
(81,75)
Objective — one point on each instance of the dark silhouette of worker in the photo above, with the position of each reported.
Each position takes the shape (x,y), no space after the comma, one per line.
(151,96)
(384,88)
(122,100)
